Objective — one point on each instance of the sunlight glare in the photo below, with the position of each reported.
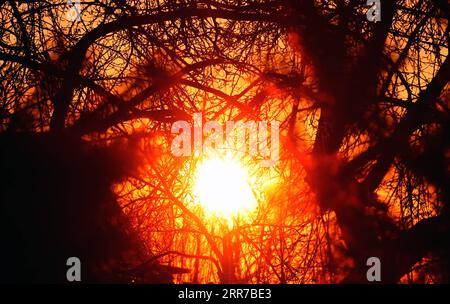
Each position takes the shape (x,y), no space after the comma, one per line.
(222,187)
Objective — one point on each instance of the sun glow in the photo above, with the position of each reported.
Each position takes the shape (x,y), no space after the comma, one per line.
(222,187)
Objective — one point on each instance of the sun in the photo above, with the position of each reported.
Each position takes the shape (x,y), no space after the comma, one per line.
(221,187)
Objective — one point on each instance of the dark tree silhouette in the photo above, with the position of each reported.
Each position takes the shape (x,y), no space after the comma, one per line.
(86,108)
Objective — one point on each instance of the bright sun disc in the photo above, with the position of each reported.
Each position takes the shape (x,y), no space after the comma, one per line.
(221,187)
